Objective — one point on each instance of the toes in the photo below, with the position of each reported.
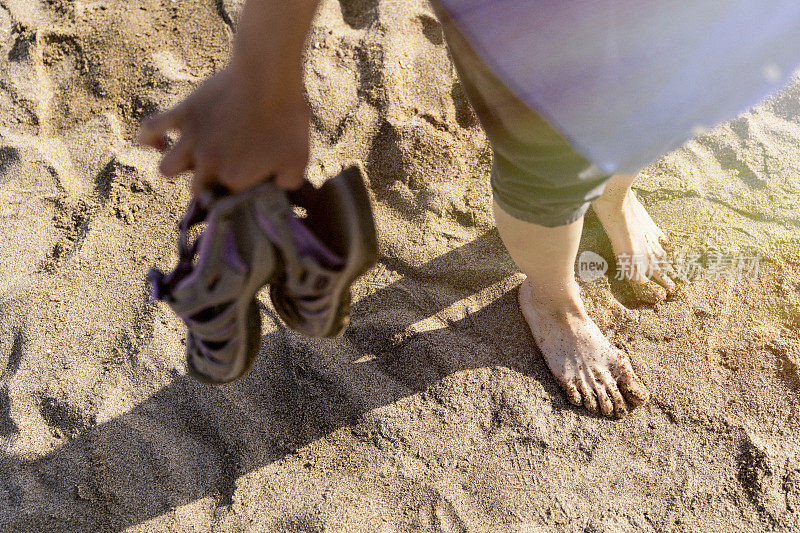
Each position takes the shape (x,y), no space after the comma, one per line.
(656,249)
(664,242)
(603,401)
(660,267)
(648,292)
(634,390)
(589,400)
(620,409)
(573,395)
(664,280)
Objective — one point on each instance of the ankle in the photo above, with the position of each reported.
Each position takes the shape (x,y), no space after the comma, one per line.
(564,299)
(612,203)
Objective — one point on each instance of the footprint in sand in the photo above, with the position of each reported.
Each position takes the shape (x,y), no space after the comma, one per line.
(440,516)
(10,356)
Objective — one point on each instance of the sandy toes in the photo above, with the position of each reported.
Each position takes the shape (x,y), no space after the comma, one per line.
(592,372)
(635,237)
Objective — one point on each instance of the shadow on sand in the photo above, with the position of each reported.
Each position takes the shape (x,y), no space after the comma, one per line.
(189,441)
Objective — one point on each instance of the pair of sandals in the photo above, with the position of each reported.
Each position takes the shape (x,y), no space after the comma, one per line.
(255,238)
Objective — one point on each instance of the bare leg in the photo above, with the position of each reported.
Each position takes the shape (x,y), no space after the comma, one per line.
(590,370)
(634,234)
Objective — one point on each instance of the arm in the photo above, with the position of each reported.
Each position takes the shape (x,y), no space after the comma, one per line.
(249,122)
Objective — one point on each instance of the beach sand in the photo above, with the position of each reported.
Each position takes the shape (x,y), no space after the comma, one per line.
(434,411)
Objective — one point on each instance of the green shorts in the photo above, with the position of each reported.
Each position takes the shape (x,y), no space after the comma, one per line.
(537,176)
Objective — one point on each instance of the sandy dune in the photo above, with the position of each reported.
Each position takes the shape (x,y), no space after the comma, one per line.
(434,411)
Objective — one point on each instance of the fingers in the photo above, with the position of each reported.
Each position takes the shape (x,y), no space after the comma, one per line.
(210,155)
(291,179)
(237,178)
(154,129)
(204,180)
(178,159)
(181,158)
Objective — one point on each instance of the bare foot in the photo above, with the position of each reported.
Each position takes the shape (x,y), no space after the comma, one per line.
(591,371)
(638,245)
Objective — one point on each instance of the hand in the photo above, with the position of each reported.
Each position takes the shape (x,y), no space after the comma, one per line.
(237,129)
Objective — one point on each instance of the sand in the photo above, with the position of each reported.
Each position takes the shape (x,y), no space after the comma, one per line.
(434,411)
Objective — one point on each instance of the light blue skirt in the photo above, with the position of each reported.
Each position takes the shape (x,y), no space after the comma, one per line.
(626,81)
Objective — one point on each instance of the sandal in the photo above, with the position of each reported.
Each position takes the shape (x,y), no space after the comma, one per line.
(312,293)
(213,288)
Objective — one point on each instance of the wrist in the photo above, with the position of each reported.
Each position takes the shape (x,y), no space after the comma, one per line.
(269,87)
(272,36)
